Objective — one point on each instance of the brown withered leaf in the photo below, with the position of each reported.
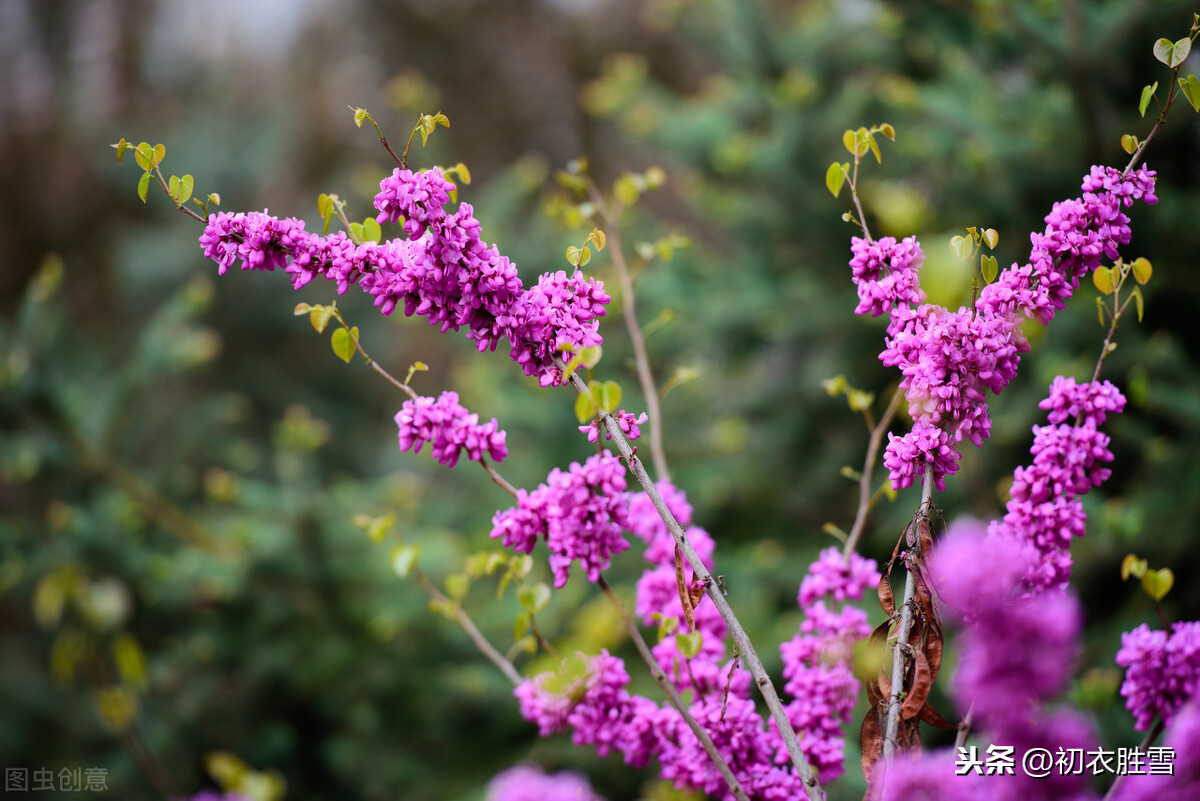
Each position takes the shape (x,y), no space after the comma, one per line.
(933,649)
(685,597)
(934,718)
(871,741)
(908,740)
(887,599)
(918,689)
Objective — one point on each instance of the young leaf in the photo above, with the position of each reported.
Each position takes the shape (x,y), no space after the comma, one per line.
(533,598)
(370,230)
(121,147)
(320,316)
(989,268)
(1172,53)
(573,256)
(143,154)
(871,143)
(301,308)
(850,142)
(1100,309)
(173,188)
(609,396)
(887,130)
(689,644)
(356,231)
(1129,143)
(463,173)
(160,153)
(1142,269)
(360,116)
(1157,583)
(143,186)
(520,625)
(1139,302)
(404,559)
(1147,94)
(585,407)
(457,585)
(835,176)
(1191,90)
(1103,279)
(186,184)
(343,344)
(991,238)
(1132,566)
(597,238)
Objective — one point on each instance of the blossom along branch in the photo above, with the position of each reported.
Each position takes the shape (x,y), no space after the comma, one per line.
(741,639)
(669,690)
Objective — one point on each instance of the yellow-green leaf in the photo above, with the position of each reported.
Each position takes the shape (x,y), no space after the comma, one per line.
(1157,583)
(360,116)
(689,644)
(1132,566)
(871,143)
(371,231)
(130,661)
(457,585)
(186,185)
(533,597)
(835,177)
(991,238)
(404,559)
(609,396)
(1142,270)
(301,308)
(121,147)
(1147,94)
(343,343)
(1139,302)
(850,142)
(585,407)
(989,267)
(320,316)
(887,130)
(144,186)
(1129,143)
(1190,86)
(1103,279)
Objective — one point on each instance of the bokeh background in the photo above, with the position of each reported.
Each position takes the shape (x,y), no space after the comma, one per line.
(182,459)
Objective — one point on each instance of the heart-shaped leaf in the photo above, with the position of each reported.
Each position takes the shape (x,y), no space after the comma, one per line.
(1157,583)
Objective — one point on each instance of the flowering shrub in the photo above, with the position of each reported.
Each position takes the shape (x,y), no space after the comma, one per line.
(1018,624)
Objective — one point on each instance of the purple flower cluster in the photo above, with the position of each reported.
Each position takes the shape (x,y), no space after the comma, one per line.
(529,783)
(1162,672)
(885,272)
(1044,509)
(626,421)
(950,359)
(580,513)
(443,272)
(817,661)
(449,429)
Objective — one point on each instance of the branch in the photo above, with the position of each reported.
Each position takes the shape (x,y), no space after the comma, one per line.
(672,694)
(892,728)
(864,482)
(464,620)
(741,639)
(637,340)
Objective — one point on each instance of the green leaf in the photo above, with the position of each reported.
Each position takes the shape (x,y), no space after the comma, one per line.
(850,142)
(989,268)
(689,644)
(608,396)
(573,256)
(591,356)
(371,231)
(360,116)
(1104,281)
(835,177)
(301,308)
(130,661)
(962,246)
(1190,86)
(991,238)
(533,597)
(871,143)
(598,239)
(1139,302)
(1100,309)
(887,130)
(173,188)
(356,232)
(1142,271)
(143,154)
(1172,53)
(320,316)
(160,153)
(585,407)
(404,559)
(463,172)
(121,147)
(143,186)
(343,343)
(378,527)
(214,198)
(1147,94)
(585,255)
(1157,583)
(1129,143)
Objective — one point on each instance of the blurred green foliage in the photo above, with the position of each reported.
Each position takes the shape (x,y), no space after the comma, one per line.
(182,460)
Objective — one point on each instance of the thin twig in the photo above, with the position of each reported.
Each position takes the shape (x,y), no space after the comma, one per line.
(964,727)
(464,620)
(1150,737)
(499,479)
(864,482)
(611,218)
(672,694)
(892,727)
(812,787)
